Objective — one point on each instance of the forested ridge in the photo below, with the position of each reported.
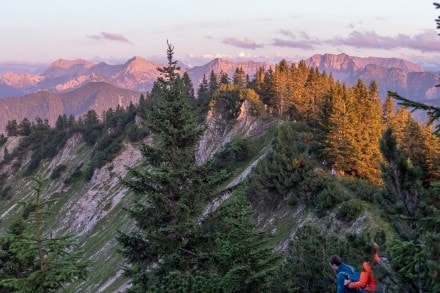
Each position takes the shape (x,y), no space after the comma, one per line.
(387,171)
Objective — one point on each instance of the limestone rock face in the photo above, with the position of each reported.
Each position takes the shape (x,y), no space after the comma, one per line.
(220,131)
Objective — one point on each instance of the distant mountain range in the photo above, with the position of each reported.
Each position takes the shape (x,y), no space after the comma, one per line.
(99,96)
(74,86)
(390,74)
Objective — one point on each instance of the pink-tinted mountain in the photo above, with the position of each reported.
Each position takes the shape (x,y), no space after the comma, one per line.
(391,74)
(98,96)
(75,86)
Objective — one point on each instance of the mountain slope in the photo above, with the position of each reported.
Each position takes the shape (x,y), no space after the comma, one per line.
(42,104)
(98,96)
(94,210)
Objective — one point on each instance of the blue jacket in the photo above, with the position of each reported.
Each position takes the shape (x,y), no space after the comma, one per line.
(341,274)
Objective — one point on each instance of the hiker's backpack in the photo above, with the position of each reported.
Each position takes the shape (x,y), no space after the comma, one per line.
(384,275)
(353,275)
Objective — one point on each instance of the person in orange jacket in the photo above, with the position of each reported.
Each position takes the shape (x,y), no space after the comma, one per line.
(366,279)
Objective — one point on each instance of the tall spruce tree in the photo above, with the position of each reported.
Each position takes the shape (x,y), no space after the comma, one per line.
(170,188)
(340,127)
(366,155)
(412,204)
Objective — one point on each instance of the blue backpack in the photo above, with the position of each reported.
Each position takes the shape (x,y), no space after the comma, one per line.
(353,275)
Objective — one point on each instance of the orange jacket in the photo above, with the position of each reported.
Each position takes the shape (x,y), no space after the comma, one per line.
(366,279)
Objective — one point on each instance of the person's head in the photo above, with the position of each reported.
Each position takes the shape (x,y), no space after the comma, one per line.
(335,261)
(375,248)
(370,251)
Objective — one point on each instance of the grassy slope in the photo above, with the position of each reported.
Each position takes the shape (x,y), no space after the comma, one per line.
(101,203)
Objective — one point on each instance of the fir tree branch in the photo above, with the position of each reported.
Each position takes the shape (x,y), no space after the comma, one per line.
(433,112)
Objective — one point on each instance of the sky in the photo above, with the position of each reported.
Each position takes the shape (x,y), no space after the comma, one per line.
(38,32)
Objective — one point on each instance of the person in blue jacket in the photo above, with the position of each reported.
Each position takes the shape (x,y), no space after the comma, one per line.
(342,270)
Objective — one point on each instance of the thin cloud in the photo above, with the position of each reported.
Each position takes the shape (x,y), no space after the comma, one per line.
(110,37)
(287,33)
(301,44)
(301,41)
(245,43)
(424,42)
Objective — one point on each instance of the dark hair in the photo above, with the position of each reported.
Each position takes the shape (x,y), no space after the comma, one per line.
(335,260)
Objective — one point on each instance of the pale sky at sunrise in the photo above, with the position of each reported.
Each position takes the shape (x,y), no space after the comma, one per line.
(113,31)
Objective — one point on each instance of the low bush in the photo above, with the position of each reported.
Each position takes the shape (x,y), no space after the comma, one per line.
(56,173)
(3,139)
(5,193)
(349,210)
(362,189)
(327,199)
(76,174)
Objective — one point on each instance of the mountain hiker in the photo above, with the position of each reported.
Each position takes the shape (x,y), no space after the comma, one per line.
(333,171)
(343,272)
(367,279)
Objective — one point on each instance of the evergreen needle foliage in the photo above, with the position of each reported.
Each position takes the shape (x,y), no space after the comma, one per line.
(170,188)
(432,111)
(34,262)
(412,205)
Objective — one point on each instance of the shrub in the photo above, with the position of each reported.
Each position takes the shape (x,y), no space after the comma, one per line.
(3,139)
(5,193)
(57,171)
(362,189)
(76,174)
(88,174)
(236,150)
(328,198)
(349,210)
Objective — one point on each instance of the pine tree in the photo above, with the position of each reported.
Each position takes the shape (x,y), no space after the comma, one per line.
(388,111)
(188,85)
(413,208)
(170,189)
(239,78)
(203,98)
(25,127)
(244,261)
(431,150)
(224,78)
(281,77)
(35,262)
(268,91)
(340,128)
(213,82)
(366,154)
(12,128)
(281,174)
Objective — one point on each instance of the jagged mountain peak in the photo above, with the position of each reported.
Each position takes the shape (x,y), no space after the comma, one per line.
(63,63)
(343,62)
(226,64)
(336,62)
(389,63)
(67,68)
(139,63)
